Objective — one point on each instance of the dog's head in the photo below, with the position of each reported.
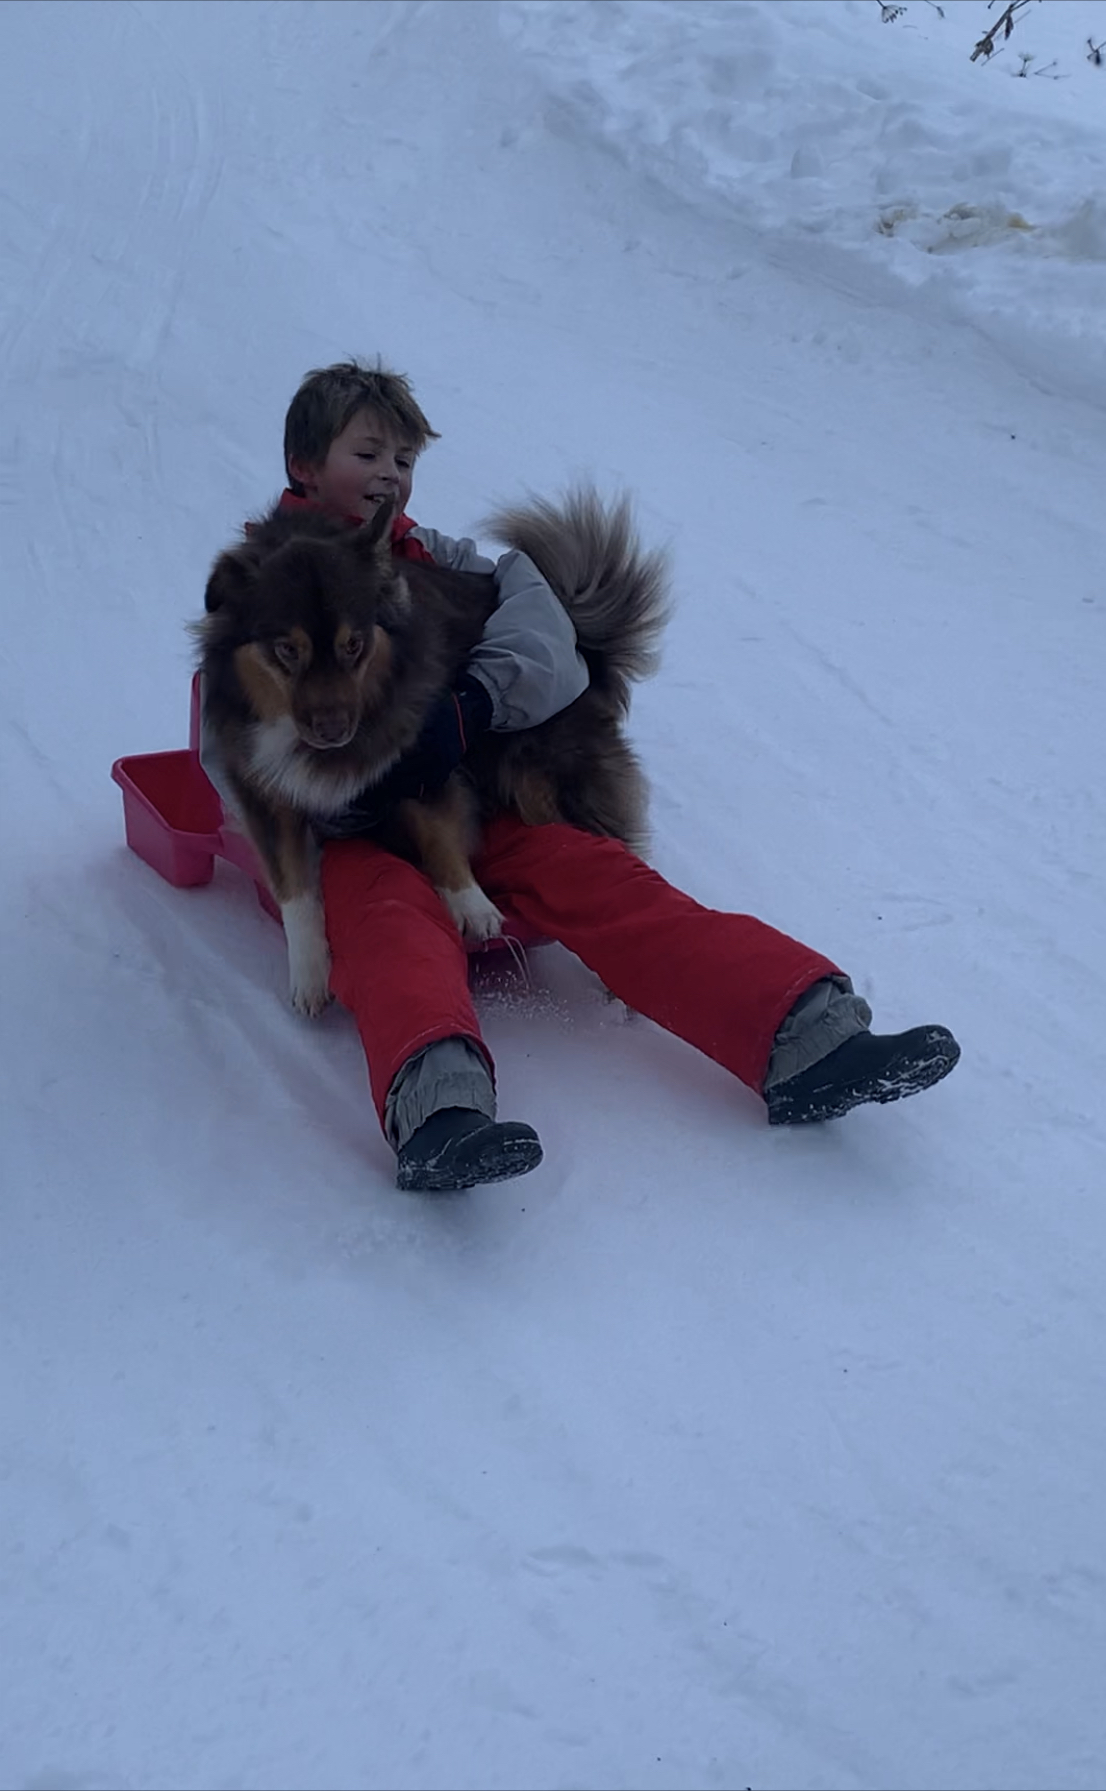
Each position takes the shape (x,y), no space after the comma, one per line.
(306,612)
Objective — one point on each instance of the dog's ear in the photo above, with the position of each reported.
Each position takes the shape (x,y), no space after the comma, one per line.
(394,611)
(233,574)
(372,542)
(371,547)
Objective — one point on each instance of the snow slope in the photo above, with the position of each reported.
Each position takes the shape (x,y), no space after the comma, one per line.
(706,1456)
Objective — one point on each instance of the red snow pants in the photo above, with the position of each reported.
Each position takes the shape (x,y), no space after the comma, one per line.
(722,982)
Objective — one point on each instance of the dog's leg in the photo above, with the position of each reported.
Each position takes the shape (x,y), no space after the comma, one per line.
(301,910)
(308,952)
(442,831)
(287,849)
(530,790)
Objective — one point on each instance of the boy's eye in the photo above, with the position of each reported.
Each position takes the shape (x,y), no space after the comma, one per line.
(285,654)
(402,460)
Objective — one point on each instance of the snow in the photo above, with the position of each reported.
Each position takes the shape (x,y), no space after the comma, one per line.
(804,122)
(708,1455)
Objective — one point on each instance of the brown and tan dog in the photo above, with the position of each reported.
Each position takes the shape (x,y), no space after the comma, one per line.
(322,656)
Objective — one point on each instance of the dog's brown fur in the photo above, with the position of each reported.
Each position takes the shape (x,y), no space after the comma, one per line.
(323,654)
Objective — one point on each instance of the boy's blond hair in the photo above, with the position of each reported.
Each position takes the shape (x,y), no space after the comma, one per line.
(330,397)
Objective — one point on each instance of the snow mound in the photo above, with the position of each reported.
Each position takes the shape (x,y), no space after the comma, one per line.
(820,124)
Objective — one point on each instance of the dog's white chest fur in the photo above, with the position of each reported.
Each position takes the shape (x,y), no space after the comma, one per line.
(283,767)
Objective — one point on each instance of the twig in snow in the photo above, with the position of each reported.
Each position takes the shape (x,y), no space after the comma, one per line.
(1004,24)
(1022,73)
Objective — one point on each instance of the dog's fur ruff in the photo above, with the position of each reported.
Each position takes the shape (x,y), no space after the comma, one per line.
(323,654)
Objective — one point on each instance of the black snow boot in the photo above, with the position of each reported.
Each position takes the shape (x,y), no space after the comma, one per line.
(458,1147)
(868,1067)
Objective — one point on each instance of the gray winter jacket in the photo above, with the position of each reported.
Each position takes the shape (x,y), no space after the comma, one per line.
(527,659)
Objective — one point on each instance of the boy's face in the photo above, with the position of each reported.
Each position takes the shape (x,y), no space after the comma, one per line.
(364,465)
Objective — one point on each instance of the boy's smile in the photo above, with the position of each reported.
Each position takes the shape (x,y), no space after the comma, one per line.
(365,466)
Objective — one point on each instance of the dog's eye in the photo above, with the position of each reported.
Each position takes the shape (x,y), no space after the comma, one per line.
(285,654)
(352,648)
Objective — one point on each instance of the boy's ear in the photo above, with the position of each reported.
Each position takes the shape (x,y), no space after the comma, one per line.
(232,575)
(373,540)
(303,472)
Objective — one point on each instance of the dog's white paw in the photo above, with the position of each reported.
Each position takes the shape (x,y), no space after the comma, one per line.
(308,955)
(475,915)
(311,994)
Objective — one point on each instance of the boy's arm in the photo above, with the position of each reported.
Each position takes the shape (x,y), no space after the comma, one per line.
(527,660)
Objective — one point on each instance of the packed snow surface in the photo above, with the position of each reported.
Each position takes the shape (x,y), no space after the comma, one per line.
(708,1455)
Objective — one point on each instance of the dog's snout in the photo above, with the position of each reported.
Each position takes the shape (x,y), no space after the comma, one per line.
(330,727)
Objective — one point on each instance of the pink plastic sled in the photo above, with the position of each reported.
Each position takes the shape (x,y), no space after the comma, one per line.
(174,820)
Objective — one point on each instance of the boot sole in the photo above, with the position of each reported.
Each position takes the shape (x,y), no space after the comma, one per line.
(500,1160)
(906,1075)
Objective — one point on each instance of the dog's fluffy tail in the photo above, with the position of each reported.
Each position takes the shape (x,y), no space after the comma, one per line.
(615,590)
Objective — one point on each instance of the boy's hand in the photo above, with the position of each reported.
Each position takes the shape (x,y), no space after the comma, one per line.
(453,724)
(448,732)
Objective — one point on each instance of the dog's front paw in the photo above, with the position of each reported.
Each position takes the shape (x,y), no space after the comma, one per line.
(310,994)
(475,915)
(308,955)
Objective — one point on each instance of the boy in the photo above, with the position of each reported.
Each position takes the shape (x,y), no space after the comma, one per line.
(782,1017)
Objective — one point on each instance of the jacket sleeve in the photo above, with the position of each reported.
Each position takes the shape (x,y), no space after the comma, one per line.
(527,660)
